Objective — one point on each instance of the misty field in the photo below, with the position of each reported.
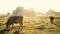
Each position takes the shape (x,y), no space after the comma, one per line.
(33,25)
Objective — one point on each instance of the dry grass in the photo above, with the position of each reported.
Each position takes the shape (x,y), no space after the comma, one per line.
(35,25)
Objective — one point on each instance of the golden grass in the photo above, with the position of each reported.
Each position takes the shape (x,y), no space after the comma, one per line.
(35,25)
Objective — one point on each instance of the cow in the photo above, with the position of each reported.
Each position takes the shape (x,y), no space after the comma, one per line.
(51,19)
(15,20)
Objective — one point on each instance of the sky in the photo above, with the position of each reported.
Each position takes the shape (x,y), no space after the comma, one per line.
(39,5)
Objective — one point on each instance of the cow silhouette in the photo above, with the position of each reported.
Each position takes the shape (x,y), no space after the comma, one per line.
(15,20)
(51,19)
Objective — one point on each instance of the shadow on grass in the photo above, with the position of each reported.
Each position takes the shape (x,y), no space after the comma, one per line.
(40,28)
(4,31)
(17,32)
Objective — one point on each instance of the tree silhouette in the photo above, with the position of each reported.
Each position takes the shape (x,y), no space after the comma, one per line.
(8,13)
(18,11)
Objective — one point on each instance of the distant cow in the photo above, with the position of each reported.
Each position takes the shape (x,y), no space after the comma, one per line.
(51,19)
(14,20)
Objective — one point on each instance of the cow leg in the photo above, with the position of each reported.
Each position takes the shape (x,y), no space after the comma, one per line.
(20,27)
(7,26)
(13,26)
(51,21)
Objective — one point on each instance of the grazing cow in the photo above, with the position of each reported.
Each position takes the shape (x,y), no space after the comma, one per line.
(51,19)
(14,20)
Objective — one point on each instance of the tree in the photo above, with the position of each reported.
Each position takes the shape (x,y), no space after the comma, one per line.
(18,11)
(8,14)
(51,12)
(31,12)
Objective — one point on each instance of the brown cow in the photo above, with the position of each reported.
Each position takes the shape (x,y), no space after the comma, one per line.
(14,20)
(51,19)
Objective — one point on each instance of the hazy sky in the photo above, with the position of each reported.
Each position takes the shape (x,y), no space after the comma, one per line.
(39,5)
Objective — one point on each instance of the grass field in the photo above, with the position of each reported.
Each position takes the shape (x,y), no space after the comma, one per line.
(33,25)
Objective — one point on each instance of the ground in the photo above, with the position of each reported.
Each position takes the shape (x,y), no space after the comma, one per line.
(33,25)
